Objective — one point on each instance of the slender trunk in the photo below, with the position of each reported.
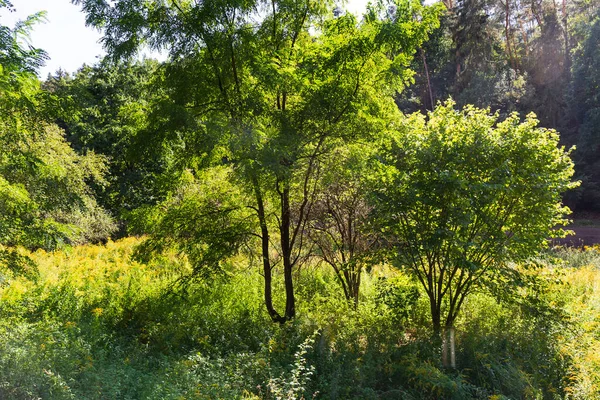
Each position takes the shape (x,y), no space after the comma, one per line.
(428,79)
(286,249)
(448,348)
(436,316)
(438,339)
(458,70)
(341,278)
(357,286)
(507,34)
(452,349)
(267,270)
(566,39)
(446,335)
(536,14)
(525,39)
(445,361)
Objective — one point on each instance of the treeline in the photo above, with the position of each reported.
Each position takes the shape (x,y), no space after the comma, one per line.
(536,56)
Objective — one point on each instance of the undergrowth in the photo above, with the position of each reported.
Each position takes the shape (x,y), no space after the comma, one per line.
(97,325)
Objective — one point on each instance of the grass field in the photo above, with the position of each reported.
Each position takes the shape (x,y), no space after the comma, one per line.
(97,325)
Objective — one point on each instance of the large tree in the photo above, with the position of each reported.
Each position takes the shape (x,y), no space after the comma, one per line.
(463,197)
(271,87)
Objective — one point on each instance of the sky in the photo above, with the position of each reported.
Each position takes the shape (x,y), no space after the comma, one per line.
(63,36)
(66,39)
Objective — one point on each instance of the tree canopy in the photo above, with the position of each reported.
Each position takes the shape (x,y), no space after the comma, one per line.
(464,196)
(105,109)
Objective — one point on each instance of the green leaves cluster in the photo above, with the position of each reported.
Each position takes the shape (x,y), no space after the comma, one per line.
(464,195)
(105,109)
(204,220)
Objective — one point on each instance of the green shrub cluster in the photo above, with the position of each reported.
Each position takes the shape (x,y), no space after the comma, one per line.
(96,325)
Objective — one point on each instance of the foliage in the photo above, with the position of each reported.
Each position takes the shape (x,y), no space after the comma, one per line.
(272,88)
(294,385)
(339,224)
(104,109)
(270,142)
(44,195)
(587,108)
(98,325)
(204,220)
(463,195)
(399,296)
(517,56)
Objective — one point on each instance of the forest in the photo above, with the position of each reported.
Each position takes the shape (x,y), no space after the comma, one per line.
(303,203)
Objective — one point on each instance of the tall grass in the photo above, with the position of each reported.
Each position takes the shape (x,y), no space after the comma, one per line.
(98,325)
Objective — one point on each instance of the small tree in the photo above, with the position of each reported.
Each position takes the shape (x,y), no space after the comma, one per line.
(463,195)
(339,224)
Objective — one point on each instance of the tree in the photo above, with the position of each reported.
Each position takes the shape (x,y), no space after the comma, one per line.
(464,197)
(44,197)
(105,108)
(271,87)
(203,222)
(340,221)
(586,109)
(472,56)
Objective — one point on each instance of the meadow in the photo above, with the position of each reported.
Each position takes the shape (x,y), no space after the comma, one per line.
(96,324)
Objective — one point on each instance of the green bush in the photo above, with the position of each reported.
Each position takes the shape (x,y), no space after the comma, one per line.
(96,325)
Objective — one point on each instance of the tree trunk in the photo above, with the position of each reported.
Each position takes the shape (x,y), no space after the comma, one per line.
(436,316)
(452,347)
(445,362)
(448,348)
(436,321)
(267,269)
(566,39)
(507,34)
(357,286)
(286,249)
(446,335)
(428,79)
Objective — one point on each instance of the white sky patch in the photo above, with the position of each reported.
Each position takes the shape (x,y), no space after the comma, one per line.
(64,36)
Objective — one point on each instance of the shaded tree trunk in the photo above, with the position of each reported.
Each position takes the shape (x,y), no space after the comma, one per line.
(566,39)
(507,35)
(267,268)
(428,78)
(448,348)
(286,249)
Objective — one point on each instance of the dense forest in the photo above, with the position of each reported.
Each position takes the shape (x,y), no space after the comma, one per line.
(300,202)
